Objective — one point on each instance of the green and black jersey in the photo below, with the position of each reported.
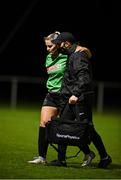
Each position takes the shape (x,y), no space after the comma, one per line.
(55,69)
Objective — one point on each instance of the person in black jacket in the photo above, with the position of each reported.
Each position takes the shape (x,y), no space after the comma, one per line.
(78,92)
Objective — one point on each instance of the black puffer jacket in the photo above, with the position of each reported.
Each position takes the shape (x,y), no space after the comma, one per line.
(78,74)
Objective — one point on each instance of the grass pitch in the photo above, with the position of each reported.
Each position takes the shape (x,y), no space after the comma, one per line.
(18,144)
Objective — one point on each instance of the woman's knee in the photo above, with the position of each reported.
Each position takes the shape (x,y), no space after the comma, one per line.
(43,123)
(46,114)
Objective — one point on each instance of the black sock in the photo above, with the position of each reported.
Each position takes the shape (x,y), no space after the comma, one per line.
(85,149)
(42,142)
(62,152)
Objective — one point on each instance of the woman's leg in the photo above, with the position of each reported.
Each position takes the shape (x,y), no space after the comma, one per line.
(47,112)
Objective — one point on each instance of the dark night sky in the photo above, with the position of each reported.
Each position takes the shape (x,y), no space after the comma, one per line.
(25,23)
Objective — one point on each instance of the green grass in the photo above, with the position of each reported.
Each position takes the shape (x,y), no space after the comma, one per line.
(18,144)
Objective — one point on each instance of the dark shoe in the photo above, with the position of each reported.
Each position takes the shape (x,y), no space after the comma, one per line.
(88,159)
(105,162)
(57,163)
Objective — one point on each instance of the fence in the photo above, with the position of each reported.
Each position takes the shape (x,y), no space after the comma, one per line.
(100,89)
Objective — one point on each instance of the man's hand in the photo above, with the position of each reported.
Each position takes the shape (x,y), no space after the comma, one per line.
(73,99)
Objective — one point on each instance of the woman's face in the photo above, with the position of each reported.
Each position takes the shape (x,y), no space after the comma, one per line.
(51,48)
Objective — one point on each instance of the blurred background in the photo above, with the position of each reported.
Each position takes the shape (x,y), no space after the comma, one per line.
(95,24)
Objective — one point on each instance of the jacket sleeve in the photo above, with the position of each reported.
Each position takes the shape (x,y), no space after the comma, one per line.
(82,74)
